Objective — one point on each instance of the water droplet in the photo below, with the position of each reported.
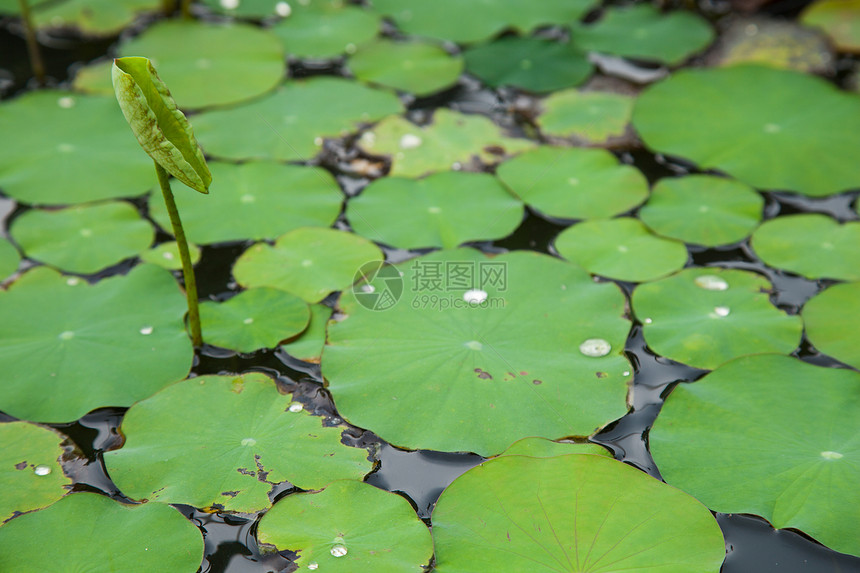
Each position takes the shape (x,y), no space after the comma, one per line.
(368,288)
(247,198)
(296,407)
(573,181)
(45,470)
(711,282)
(626,373)
(318,141)
(67,335)
(647,321)
(772,128)
(66,102)
(350,48)
(146,330)
(313,565)
(229,4)
(283,9)
(475,296)
(73,281)
(721,311)
(65,148)
(595,347)
(167,255)
(704,208)
(474,345)
(434,210)
(622,249)
(410,141)
(249,442)
(86,232)
(307,263)
(828,455)
(248,320)
(456,166)
(338,550)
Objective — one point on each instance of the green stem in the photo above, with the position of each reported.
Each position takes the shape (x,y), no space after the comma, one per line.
(32,44)
(184,256)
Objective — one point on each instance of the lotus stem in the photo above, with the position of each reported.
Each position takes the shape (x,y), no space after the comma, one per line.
(184,256)
(32,44)
(186,9)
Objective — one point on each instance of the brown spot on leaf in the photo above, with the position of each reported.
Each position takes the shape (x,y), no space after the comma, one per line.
(246,472)
(21,465)
(537,382)
(229,493)
(601,374)
(524,373)
(483,375)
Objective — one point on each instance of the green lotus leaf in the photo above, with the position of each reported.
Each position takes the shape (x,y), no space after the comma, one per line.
(643,32)
(772,436)
(308,346)
(160,128)
(702,209)
(484,350)
(543,448)
(253,319)
(589,117)
(261,200)
(83,239)
(256,9)
(571,513)
(211,64)
(830,319)
(30,467)
(95,79)
(13,6)
(68,149)
(107,344)
(132,538)
(327,33)
(442,210)
(270,439)
(574,183)
(706,316)
(762,125)
(622,249)
(838,19)
(290,123)
(450,141)
(533,64)
(9,259)
(166,255)
(418,67)
(349,526)
(93,17)
(811,245)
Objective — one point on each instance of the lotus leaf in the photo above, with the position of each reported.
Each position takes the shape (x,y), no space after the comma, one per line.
(309,344)
(166,255)
(270,439)
(30,470)
(772,436)
(591,117)
(830,319)
(93,17)
(251,8)
(543,448)
(621,249)
(95,78)
(839,19)
(442,210)
(323,34)
(107,344)
(706,316)
(811,245)
(418,67)
(13,7)
(762,126)
(9,259)
(484,350)
(83,239)
(571,513)
(349,526)
(131,538)
(574,183)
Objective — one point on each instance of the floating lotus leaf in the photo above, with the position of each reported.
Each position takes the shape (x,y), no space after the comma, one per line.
(762,126)
(574,183)
(107,344)
(260,200)
(211,64)
(69,148)
(269,439)
(442,210)
(571,513)
(418,67)
(622,249)
(839,19)
(309,344)
(30,468)
(591,117)
(93,17)
(251,8)
(706,316)
(509,364)
(166,255)
(811,245)
(328,33)
(307,262)
(543,448)
(83,239)
(95,79)
(451,140)
(830,319)
(131,538)
(533,64)
(703,210)
(9,259)
(290,123)
(253,319)
(349,526)
(13,6)
(772,436)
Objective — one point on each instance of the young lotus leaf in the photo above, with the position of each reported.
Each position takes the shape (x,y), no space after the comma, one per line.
(131,538)
(811,245)
(290,123)
(83,239)
(574,183)
(327,33)
(450,141)
(269,440)
(642,32)
(703,209)
(830,319)
(92,17)
(68,149)
(543,448)
(621,249)
(839,19)
(211,64)
(772,436)
(253,319)
(533,64)
(762,126)
(571,513)
(589,117)
(30,470)
(349,526)
(255,200)
(442,210)
(108,344)
(308,262)
(309,344)
(9,259)
(484,350)
(706,316)
(166,255)
(417,67)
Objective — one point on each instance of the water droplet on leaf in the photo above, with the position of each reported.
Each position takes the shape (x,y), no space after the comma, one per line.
(831,455)
(475,296)
(67,335)
(410,141)
(66,102)
(296,407)
(339,550)
(595,347)
(283,9)
(721,311)
(249,442)
(42,470)
(146,330)
(711,282)
(474,345)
